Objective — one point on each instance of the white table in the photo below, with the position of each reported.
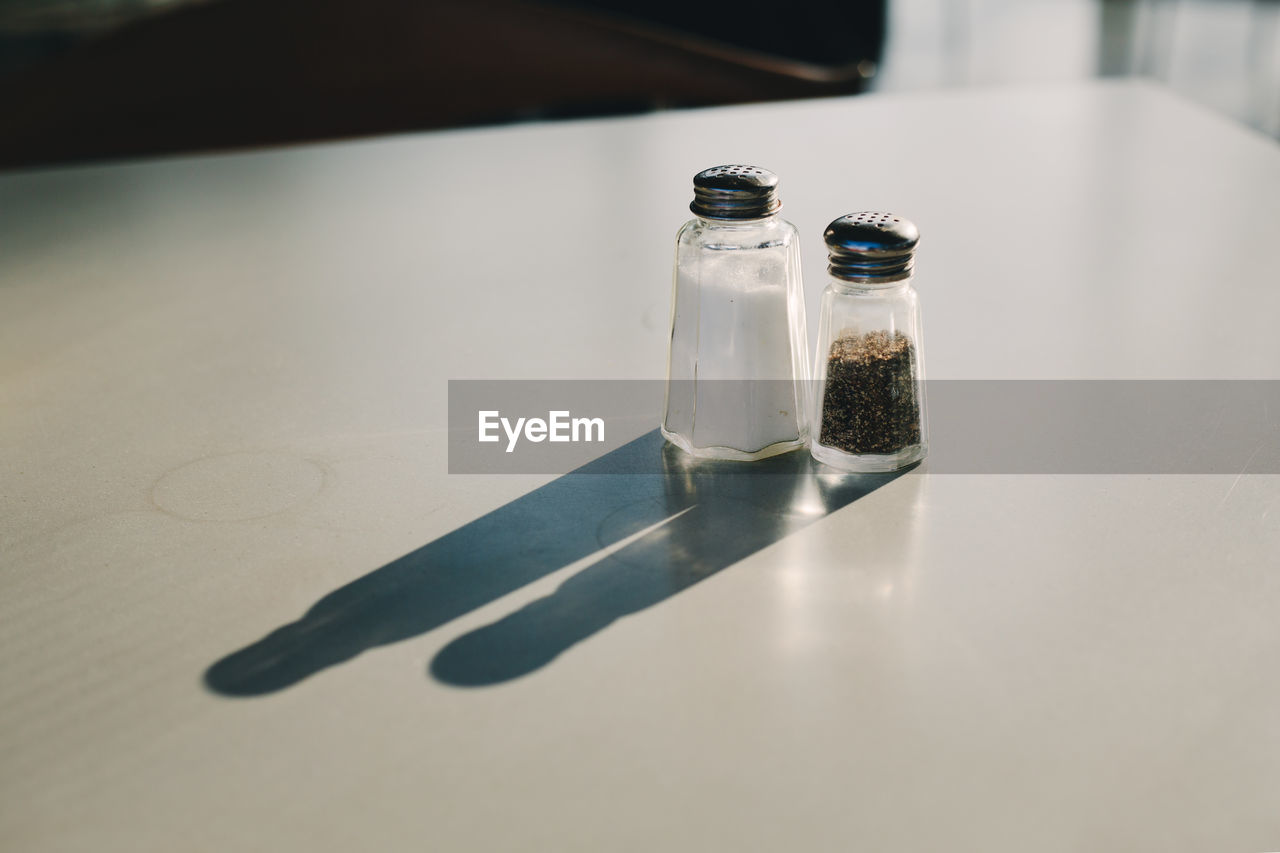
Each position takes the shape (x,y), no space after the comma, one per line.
(222,397)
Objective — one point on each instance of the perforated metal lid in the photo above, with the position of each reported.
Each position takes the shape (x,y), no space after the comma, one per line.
(735,192)
(871,247)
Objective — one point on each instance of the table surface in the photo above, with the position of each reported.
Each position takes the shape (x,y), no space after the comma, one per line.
(223,386)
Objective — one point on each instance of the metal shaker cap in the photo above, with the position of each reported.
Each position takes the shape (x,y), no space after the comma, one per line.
(872,247)
(735,192)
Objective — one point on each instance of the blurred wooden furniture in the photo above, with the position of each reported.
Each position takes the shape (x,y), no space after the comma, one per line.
(248,72)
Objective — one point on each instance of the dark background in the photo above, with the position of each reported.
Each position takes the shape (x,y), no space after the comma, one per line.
(99,79)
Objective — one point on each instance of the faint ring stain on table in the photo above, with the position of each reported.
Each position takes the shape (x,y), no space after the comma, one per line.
(237,486)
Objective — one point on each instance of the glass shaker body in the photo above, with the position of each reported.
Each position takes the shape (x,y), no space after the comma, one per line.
(869,367)
(738,358)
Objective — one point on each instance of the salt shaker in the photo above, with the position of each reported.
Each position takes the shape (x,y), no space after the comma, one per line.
(738,365)
(869,363)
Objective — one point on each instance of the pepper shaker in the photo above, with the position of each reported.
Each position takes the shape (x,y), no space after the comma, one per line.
(738,361)
(869,361)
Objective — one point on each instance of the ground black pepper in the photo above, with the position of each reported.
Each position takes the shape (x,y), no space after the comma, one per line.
(870,404)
